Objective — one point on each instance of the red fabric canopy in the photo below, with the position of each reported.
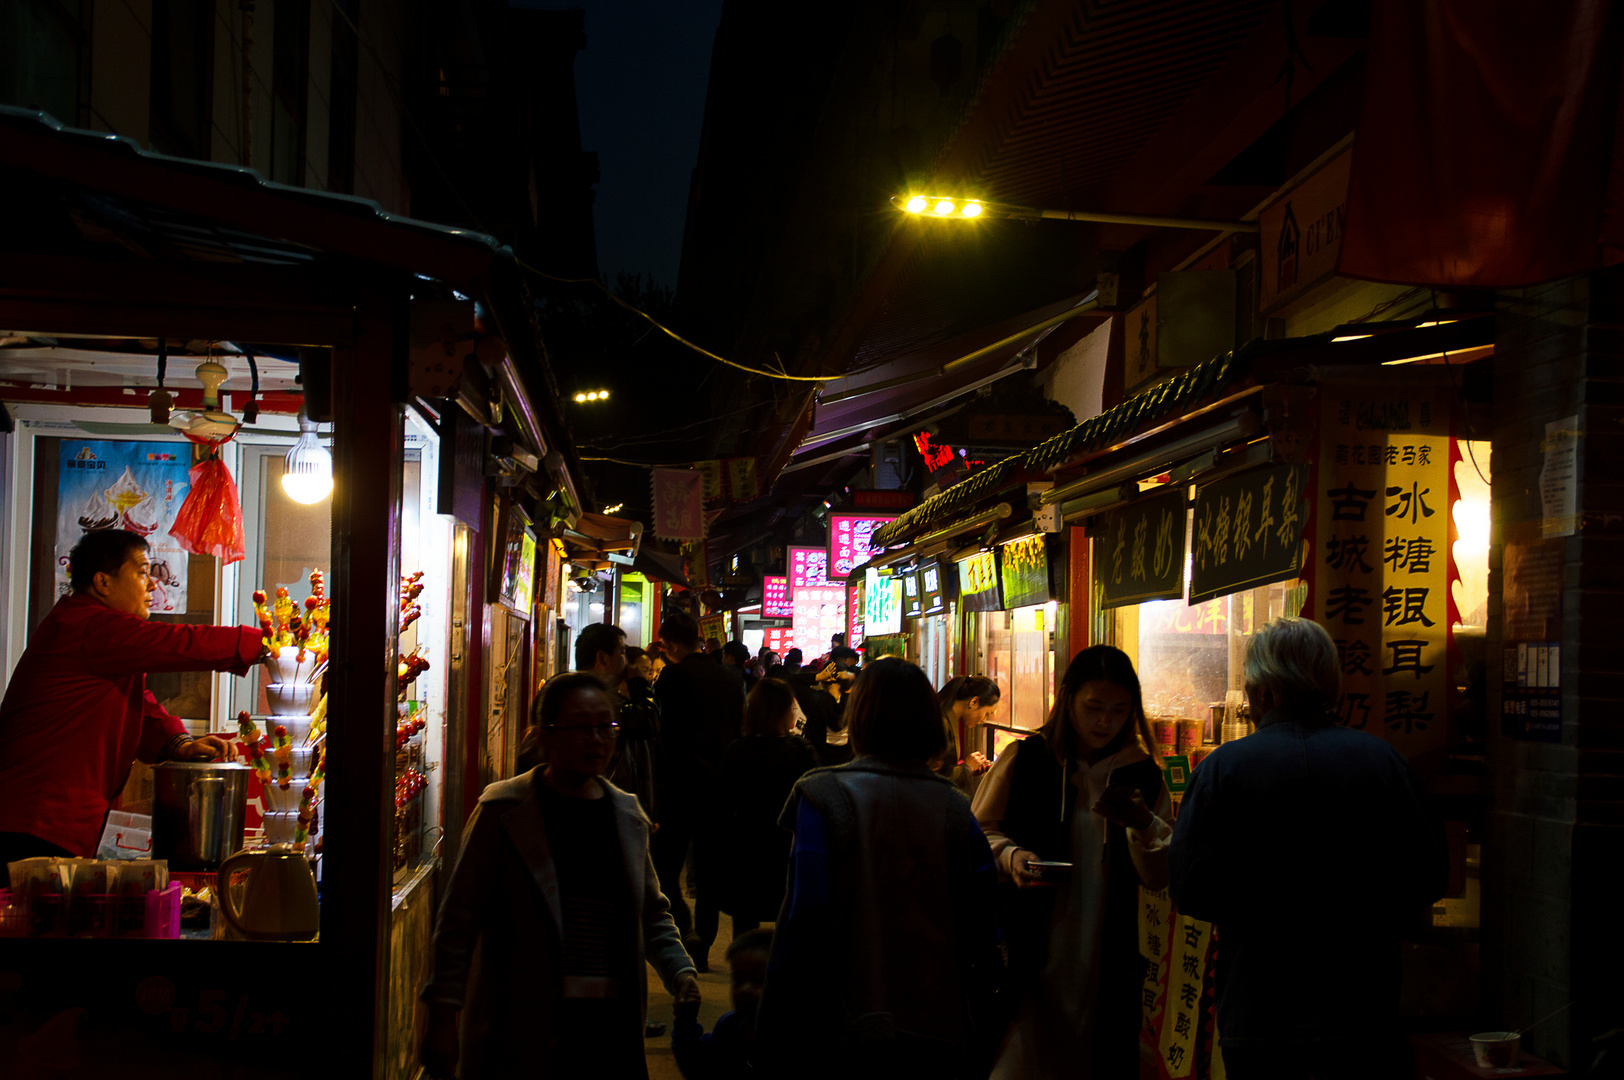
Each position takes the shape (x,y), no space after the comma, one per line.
(1489,150)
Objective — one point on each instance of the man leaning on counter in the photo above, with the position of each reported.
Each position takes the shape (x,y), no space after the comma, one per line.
(77,710)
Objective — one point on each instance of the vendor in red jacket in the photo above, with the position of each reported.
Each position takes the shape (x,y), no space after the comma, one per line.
(77,710)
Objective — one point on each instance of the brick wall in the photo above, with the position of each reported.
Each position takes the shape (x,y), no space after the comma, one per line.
(1555,843)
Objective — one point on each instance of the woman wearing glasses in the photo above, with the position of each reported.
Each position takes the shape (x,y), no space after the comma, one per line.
(554,875)
(1077,819)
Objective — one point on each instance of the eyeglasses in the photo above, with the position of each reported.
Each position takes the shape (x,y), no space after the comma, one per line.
(602,731)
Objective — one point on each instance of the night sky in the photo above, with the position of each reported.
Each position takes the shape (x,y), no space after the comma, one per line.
(640,83)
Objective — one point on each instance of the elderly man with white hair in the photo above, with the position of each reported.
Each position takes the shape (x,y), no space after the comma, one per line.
(1309,846)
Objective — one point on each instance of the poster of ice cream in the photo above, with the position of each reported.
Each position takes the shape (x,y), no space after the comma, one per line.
(137,486)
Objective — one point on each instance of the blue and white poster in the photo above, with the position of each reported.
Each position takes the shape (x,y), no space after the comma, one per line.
(139,486)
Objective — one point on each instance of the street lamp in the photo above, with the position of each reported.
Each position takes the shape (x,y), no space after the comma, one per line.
(591,395)
(941,206)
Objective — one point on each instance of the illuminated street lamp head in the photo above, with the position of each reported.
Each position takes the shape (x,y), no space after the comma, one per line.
(916,204)
(592,395)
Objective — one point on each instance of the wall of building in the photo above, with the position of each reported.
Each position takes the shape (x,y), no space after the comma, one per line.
(1556,828)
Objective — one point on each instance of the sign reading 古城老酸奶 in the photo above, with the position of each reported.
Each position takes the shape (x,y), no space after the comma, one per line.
(1382,553)
(1248,530)
(1139,554)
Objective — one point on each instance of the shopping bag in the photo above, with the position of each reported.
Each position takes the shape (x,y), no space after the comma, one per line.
(210,520)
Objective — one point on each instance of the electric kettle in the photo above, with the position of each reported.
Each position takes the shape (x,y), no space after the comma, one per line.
(278,899)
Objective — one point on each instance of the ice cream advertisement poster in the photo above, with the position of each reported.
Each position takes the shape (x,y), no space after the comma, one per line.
(137,486)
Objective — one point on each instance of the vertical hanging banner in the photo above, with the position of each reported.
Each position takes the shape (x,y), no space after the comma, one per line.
(678,504)
(1181,1016)
(135,486)
(711,473)
(741,479)
(696,565)
(1382,552)
(855,600)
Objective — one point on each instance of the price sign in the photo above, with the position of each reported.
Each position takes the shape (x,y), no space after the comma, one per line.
(775,597)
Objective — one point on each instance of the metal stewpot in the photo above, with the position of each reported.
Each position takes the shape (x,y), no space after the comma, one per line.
(197,812)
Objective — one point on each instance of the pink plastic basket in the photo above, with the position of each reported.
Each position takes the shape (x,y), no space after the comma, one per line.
(151,915)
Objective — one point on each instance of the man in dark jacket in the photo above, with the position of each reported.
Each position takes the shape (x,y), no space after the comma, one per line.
(701,711)
(1308,845)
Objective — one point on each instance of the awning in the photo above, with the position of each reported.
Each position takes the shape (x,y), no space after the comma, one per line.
(1257,362)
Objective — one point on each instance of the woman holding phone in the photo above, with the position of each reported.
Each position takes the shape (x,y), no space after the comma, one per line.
(1077,816)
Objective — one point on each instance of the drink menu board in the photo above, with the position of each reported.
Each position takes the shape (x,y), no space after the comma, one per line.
(775,597)
(780,639)
(820,613)
(850,541)
(807,566)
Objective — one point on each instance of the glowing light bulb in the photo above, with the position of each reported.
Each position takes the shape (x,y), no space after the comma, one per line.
(603,395)
(971,209)
(944,207)
(916,204)
(580,397)
(309,467)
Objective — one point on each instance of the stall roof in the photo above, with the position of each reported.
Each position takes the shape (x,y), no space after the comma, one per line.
(1258,361)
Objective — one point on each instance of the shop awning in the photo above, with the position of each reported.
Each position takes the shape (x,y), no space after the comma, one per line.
(1256,363)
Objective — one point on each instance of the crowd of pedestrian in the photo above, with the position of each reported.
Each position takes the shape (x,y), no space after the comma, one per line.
(934,912)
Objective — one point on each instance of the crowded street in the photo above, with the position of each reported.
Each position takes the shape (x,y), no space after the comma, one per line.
(705,539)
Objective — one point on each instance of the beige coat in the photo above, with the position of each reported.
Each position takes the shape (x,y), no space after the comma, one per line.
(504,893)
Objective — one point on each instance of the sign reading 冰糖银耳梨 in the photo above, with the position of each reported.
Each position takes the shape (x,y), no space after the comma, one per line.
(851,541)
(1248,530)
(1139,554)
(1382,553)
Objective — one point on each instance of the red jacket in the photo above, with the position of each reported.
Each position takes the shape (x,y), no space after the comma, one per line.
(77,712)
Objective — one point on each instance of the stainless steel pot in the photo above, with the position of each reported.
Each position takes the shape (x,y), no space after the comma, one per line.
(197,812)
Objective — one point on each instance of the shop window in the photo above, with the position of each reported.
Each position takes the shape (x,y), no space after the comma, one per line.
(1016,650)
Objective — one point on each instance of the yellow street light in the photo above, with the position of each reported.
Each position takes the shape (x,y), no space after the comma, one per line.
(943,207)
(592,395)
(916,204)
(971,209)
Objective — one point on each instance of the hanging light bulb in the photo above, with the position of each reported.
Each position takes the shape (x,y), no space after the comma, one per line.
(309,475)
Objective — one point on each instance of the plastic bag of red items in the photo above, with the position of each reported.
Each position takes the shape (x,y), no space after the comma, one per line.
(210,520)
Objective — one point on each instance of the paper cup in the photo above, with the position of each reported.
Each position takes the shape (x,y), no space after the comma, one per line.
(1496,1049)
(1167,735)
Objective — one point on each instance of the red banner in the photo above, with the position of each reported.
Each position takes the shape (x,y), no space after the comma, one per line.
(678,504)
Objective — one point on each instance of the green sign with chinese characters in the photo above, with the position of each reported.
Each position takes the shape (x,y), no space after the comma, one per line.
(1139,555)
(1248,530)
(1026,572)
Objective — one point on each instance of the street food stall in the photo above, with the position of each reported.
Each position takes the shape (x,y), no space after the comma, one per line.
(172,330)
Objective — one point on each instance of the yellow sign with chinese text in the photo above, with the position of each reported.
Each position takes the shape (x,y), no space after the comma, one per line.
(1382,553)
(1181,1016)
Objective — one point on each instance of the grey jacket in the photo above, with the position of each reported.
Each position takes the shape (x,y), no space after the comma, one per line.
(504,890)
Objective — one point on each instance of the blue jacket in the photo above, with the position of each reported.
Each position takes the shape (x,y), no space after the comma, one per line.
(1307,845)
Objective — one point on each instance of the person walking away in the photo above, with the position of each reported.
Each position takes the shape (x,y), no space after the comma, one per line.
(555,877)
(887,935)
(822,697)
(1086,791)
(1305,808)
(724,1053)
(759,771)
(968,701)
(701,711)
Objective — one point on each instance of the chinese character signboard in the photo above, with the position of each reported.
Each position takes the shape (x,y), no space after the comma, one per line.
(1026,572)
(1139,554)
(1301,235)
(854,614)
(849,541)
(678,504)
(1248,530)
(820,614)
(806,567)
(713,627)
(1382,555)
(780,639)
(135,486)
(932,596)
(775,597)
(978,583)
(913,605)
(741,479)
(882,603)
(1181,1015)
(710,472)
(696,565)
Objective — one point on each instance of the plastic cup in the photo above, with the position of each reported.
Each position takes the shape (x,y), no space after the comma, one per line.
(1496,1049)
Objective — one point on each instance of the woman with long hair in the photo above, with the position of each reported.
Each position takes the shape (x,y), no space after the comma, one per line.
(1087,791)
(758,772)
(880,948)
(968,701)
